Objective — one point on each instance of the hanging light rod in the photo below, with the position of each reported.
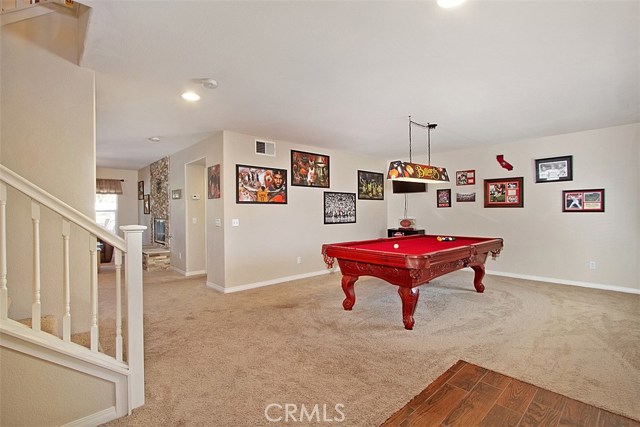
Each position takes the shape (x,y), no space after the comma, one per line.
(417,172)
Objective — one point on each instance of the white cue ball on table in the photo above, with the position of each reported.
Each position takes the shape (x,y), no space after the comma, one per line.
(396,246)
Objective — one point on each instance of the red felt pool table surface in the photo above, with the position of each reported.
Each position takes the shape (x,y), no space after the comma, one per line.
(417,260)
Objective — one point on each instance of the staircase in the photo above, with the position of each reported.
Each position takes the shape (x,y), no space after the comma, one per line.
(49,378)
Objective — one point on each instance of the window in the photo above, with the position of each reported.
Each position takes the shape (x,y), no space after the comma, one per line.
(107,211)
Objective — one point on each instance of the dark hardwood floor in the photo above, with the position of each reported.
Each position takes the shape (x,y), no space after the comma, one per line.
(469,395)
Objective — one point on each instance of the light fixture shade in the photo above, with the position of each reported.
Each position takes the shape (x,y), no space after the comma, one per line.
(416,172)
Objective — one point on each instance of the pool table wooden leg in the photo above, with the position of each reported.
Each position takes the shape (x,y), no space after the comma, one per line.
(347,287)
(479,275)
(409,298)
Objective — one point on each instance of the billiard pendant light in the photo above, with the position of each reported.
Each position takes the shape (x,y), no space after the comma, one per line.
(416,172)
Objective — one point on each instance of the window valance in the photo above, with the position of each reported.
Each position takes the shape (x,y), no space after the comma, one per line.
(108,186)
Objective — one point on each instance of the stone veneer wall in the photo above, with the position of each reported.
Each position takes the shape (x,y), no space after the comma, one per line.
(159,193)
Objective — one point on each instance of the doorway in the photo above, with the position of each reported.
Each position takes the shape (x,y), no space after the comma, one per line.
(195,218)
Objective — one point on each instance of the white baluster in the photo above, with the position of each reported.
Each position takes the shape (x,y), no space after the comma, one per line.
(118,264)
(93,249)
(66,319)
(4,294)
(36,308)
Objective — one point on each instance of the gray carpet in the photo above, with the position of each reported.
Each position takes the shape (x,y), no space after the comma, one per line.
(220,360)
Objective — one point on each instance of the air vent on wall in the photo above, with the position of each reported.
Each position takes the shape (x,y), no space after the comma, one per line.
(266,148)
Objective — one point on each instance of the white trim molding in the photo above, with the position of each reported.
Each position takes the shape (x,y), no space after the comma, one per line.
(255,285)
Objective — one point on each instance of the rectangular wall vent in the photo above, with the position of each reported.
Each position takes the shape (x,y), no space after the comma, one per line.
(266,148)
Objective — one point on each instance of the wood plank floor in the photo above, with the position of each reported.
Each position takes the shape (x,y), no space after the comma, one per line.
(469,395)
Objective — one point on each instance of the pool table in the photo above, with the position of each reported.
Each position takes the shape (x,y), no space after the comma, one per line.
(415,261)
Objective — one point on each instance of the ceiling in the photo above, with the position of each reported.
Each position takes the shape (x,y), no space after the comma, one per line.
(346,75)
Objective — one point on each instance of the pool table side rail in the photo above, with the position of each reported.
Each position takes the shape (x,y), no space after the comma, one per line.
(399,260)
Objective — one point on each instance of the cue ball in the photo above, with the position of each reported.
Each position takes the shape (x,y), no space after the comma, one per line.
(396,246)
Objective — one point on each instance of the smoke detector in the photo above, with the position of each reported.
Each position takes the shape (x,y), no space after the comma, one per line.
(209,83)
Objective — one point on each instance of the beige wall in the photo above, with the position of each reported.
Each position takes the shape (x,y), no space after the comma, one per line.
(35,392)
(144,175)
(128,200)
(196,230)
(270,238)
(540,240)
(45,124)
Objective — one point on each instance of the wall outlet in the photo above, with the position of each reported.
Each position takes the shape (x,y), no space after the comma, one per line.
(299,260)
(592,265)
(235,222)
(194,220)
(218,222)
(179,255)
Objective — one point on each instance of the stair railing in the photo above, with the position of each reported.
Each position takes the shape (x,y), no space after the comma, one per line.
(129,249)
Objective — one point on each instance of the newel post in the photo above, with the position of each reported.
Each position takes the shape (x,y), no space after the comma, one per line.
(133,290)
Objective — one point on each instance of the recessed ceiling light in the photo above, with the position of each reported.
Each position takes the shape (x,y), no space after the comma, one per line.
(448,4)
(190,96)
(154,139)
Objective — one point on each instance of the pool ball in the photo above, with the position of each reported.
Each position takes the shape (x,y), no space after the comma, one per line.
(396,246)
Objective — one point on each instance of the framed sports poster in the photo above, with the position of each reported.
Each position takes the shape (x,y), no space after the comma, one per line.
(583,200)
(213,186)
(309,169)
(467,177)
(444,198)
(339,208)
(554,169)
(257,184)
(370,185)
(504,193)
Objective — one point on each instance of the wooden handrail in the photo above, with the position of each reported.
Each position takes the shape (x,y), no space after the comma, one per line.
(41,196)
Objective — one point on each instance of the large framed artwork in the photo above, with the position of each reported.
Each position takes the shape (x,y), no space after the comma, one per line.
(504,193)
(309,169)
(213,186)
(339,208)
(140,190)
(583,200)
(554,169)
(370,185)
(259,184)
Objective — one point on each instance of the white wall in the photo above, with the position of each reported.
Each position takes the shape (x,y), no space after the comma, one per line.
(44,125)
(270,238)
(540,240)
(128,200)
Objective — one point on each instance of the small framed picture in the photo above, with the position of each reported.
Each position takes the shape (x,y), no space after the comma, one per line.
(147,204)
(370,185)
(466,197)
(339,208)
(554,169)
(309,169)
(467,177)
(140,190)
(444,198)
(504,193)
(213,186)
(176,194)
(258,184)
(583,200)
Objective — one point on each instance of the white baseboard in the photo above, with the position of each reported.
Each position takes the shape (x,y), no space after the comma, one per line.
(267,282)
(96,419)
(188,273)
(566,282)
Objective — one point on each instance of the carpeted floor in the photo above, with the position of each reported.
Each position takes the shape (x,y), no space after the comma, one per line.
(239,359)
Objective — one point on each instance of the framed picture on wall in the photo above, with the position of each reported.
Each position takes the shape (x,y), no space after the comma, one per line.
(554,169)
(504,193)
(339,208)
(309,169)
(466,197)
(467,177)
(444,198)
(370,185)
(140,190)
(213,186)
(263,185)
(583,200)
(147,204)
